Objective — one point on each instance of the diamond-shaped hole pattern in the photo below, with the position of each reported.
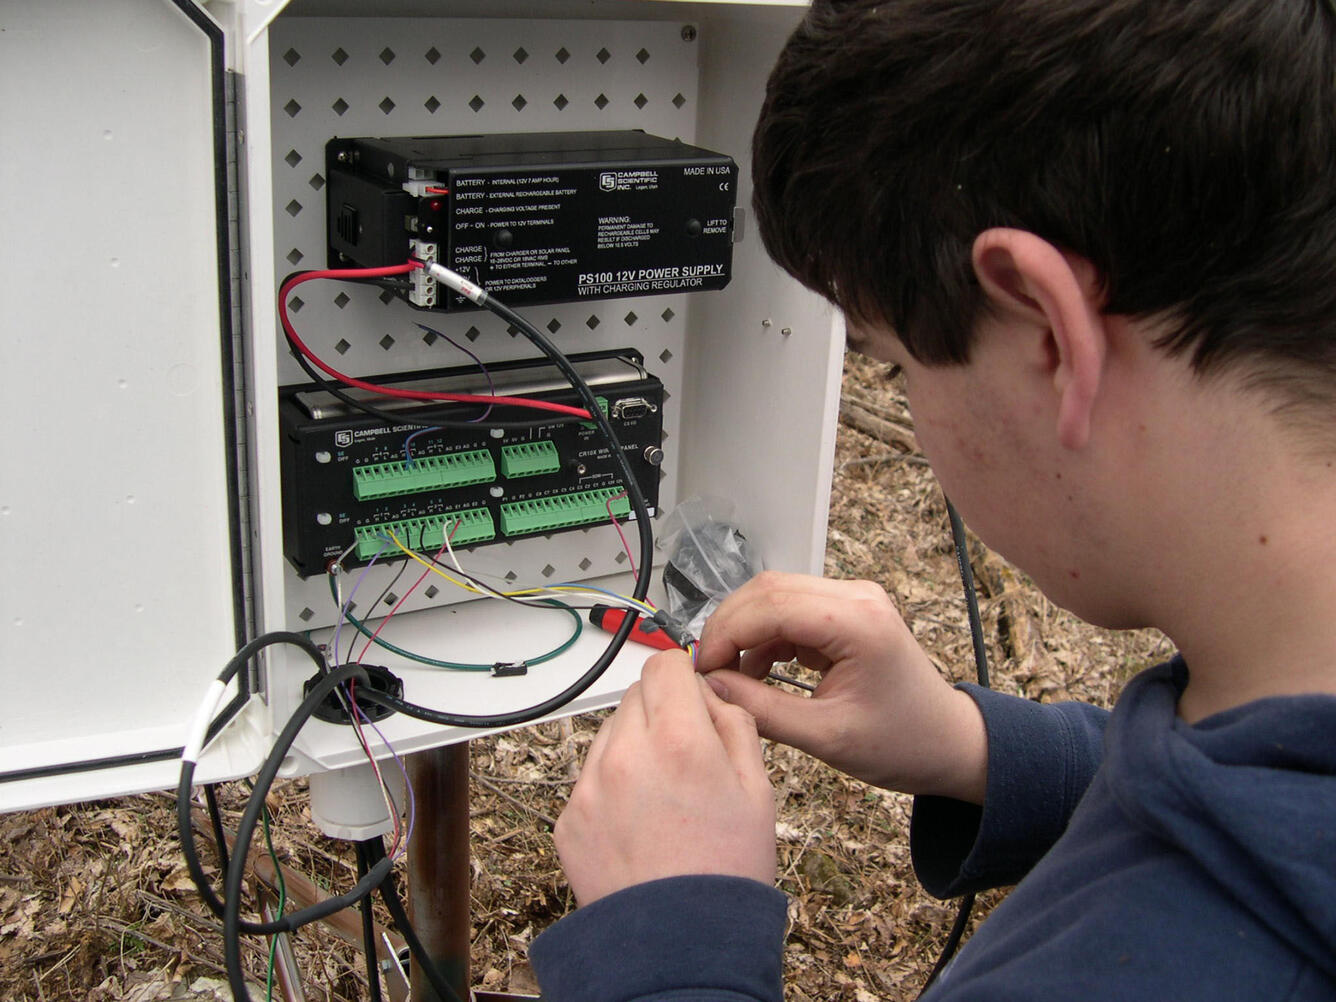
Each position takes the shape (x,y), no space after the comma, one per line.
(292,57)
(295,304)
(640,101)
(386,296)
(473,333)
(342,347)
(339,56)
(548,571)
(339,106)
(668,315)
(585,564)
(432,591)
(553,325)
(342,300)
(520,55)
(678,101)
(562,55)
(386,105)
(387,55)
(642,56)
(477,55)
(513,331)
(603,55)
(390,598)
(386,342)
(432,55)
(293,207)
(295,256)
(429,338)
(317,181)
(621,557)
(293,158)
(601,102)
(665,356)
(630,318)
(306,615)
(560,102)
(519,102)
(476,104)
(593,322)
(512,576)
(292,107)
(431,104)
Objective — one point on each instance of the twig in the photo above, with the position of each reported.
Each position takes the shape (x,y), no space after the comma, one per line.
(14,878)
(529,782)
(885,457)
(41,995)
(212,925)
(518,803)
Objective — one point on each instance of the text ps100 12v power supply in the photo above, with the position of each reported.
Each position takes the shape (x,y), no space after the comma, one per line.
(536,217)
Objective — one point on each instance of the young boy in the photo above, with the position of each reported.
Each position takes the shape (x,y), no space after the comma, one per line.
(1099,236)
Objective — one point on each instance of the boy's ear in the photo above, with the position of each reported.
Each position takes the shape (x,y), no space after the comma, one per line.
(1057,296)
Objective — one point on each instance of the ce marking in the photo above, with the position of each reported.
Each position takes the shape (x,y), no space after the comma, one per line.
(723,185)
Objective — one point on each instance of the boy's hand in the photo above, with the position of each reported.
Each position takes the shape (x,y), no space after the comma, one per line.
(881,712)
(673,784)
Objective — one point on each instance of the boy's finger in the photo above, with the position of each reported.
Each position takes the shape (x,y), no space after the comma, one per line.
(737,730)
(781,716)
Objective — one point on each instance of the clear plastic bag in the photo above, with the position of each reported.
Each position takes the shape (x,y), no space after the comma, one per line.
(708,558)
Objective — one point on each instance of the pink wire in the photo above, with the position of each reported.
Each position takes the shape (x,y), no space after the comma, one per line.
(617,525)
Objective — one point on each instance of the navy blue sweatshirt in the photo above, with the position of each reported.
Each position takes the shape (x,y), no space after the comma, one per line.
(1159,861)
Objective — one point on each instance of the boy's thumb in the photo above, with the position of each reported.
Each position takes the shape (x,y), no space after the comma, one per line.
(781,716)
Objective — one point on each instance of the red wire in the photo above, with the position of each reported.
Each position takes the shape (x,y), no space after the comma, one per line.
(391,391)
(635,574)
(375,766)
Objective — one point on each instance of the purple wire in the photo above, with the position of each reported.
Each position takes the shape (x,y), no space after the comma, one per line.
(491,390)
(412,801)
(343,611)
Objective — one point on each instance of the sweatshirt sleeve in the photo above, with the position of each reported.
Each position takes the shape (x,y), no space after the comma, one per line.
(681,939)
(1041,758)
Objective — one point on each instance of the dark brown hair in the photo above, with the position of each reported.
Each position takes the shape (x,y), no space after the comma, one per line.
(1187,148)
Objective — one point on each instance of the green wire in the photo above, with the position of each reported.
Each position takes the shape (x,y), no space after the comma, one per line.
(455,665)
(282,901)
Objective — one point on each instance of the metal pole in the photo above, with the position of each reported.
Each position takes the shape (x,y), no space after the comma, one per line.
(438,866)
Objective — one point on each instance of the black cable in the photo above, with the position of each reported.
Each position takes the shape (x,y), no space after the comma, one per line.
(971,597)
(961,545)
(403,566)
(184,827)
(368,928)
(952,940)
(389,893)
(216,823)
(233,925)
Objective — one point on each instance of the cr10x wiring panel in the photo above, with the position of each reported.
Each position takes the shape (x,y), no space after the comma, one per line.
(139,563)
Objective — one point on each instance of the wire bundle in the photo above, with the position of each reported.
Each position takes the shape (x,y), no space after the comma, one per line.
(350,681)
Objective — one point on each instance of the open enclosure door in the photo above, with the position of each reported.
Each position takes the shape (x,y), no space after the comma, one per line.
(120,494)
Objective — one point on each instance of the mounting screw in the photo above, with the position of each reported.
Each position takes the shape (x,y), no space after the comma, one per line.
(688,32)
(341,156)
(767,322)
(786,331)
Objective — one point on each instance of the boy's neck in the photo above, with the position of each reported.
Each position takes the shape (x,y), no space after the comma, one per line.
(1249,593)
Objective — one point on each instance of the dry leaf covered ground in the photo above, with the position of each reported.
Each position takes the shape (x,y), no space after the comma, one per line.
(95,902)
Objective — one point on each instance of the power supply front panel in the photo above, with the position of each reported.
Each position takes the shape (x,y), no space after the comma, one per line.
(358,488)
(537,217)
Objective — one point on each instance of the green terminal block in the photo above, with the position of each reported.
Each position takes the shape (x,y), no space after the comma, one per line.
(430,473)
(472,526)
(519,518)
(603,406)
(529,459)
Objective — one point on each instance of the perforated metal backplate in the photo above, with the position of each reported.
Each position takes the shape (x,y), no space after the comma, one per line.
(406,76)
